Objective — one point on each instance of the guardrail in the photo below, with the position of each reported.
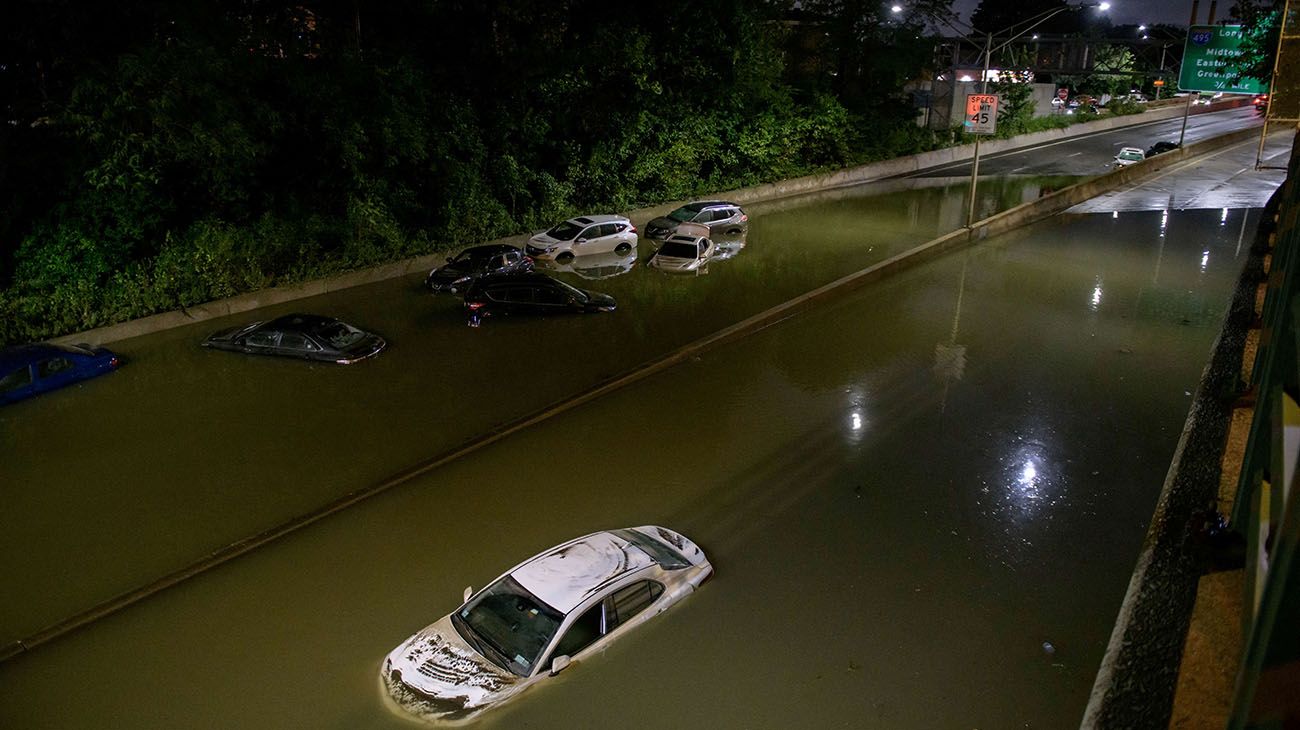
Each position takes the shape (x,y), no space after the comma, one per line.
(1266,509)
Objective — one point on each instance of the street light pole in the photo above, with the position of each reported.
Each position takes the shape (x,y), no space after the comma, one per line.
(984,87)
(975,163)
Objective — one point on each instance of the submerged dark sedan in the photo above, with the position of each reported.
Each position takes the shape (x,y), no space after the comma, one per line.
(462,269)
(28,370)
(530,293)
(306,336)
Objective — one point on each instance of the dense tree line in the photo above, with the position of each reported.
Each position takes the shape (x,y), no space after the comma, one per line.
(157,154)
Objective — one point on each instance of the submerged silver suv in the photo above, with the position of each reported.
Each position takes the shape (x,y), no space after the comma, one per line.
(722,218)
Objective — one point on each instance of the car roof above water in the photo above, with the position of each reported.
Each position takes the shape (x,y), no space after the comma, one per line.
(566,575)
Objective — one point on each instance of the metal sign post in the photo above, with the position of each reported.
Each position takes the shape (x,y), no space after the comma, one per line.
(981,118)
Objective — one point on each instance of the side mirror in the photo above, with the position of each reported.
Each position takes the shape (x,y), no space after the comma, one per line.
(559,663)
(469,591)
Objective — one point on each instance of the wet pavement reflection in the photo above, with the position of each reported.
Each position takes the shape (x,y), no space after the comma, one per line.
(923,502)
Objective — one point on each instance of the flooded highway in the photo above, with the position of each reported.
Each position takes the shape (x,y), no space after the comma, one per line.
(923,503)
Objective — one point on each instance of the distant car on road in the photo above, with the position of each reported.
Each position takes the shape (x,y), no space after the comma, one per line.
(552,611)
(28,370)
(687,250)
(1129,156)
(530,293)
(584,235)
(455,276)
(1261,103)
(306,336)
(722,218)
(1159,148)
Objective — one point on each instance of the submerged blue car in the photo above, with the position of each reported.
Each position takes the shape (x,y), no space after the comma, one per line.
(28,370)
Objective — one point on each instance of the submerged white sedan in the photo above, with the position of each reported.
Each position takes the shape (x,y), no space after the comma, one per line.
(551,610)
(687,250)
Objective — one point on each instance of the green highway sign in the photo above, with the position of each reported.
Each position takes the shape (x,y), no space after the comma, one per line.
(1210,61)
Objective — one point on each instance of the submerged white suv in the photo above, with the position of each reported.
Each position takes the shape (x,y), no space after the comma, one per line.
(584,235)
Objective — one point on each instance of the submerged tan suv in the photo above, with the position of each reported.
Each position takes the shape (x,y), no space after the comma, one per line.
(722,218)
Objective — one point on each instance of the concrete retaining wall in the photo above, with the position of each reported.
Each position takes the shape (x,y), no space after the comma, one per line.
(785,188)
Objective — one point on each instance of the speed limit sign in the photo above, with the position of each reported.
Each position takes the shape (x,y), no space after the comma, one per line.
(981,113)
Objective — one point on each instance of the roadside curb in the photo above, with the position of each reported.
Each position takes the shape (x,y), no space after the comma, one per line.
(768,191)
(1021,215)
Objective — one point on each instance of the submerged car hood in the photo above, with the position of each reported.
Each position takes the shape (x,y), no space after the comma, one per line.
(436,675)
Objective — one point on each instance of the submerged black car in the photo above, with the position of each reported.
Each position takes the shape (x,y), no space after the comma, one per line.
(530,293)
(306,336)
(463,268)
(1159,148)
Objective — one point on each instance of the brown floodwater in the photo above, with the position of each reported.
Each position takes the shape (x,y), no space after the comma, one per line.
(923,503)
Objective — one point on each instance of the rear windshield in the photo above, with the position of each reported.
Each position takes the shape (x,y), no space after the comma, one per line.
(1130,155)
(679,250)
(340,335)
(666,557)
(565,231)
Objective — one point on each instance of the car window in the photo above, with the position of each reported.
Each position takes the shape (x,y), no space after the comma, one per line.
(587,628)
(511,257)
(263,338)
(552,295)
(704,217)
(293,341)
(566,231)
(53,366)
(508,625)
(678,250)
(721,214)
(682,214)
(497,262)
(20,378)
(519,295)
(590,233)
(631,600)
(339,335)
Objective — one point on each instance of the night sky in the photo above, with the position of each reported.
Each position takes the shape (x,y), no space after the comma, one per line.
(1123,12)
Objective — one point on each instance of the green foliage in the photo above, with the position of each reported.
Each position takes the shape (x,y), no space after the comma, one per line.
(187,152)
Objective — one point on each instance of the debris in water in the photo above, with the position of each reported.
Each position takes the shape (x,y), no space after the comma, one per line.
(1048,649)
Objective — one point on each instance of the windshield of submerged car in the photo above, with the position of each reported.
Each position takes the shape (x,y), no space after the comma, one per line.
(1133,155)
(508,625)
(683,214)
(565,231)
(679,250)
(340,335)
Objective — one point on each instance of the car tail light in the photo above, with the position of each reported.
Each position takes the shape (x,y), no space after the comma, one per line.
(631,229)
(528,259)
(114,362)
(474,306)
(743,217)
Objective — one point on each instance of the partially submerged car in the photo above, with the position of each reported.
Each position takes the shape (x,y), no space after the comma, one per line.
(1129,156)
(28,370)
(460,270)
(688,250)
(1159,148)
(530,293)
(584,235)
(721,218)
(551,611)
(306,336)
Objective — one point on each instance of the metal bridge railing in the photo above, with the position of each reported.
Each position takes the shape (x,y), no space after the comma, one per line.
(1267,505)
